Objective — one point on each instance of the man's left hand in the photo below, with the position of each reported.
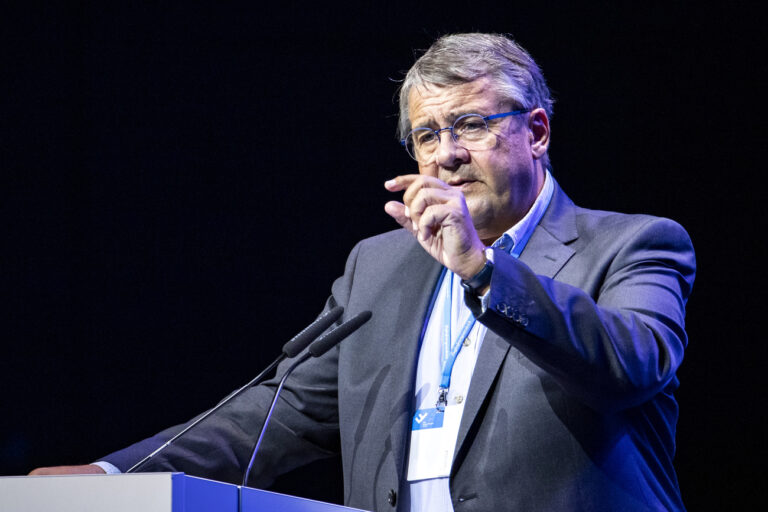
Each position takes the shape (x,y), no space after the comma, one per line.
(437,215)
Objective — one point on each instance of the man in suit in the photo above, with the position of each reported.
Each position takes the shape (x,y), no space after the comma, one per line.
(522,350)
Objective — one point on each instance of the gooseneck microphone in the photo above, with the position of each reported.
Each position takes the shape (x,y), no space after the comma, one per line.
(294,346)
(316,349)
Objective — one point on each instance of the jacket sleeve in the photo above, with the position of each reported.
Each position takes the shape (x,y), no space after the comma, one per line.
(303,428)
(617,345)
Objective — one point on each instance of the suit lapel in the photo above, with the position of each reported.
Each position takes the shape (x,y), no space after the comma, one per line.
(489,360)
(545,254)
(422,275)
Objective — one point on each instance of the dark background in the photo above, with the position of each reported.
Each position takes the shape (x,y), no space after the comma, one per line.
(180,186)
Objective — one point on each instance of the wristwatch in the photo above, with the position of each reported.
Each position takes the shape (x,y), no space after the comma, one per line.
(479,281)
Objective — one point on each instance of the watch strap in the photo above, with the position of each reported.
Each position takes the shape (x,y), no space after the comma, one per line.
(476,283)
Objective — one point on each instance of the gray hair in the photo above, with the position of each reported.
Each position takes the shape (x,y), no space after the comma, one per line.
(461,58)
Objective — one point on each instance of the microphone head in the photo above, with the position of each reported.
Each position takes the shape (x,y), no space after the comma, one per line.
(312,331)
(330,339)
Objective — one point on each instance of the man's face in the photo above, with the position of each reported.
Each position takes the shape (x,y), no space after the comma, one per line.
(499,184)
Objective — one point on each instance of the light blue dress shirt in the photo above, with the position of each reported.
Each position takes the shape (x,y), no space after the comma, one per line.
(433,495)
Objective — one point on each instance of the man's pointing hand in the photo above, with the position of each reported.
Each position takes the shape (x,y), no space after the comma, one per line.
(437,215)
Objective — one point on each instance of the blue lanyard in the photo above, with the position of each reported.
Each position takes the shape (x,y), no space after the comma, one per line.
(450,347)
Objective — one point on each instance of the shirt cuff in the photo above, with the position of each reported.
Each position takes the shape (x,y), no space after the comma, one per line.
(107,467)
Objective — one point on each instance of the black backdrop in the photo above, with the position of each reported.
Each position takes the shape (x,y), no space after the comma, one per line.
(182,184)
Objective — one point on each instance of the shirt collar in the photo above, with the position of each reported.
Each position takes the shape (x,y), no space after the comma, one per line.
(522,231)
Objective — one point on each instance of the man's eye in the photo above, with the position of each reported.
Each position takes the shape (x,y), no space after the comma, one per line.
(471,126)
(425,137)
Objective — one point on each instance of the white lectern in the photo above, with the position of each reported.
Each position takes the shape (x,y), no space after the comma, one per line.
(144,492)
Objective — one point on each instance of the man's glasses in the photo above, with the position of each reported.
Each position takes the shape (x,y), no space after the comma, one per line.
(469,131)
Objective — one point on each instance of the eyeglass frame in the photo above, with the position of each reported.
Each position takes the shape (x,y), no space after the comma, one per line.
(438,131)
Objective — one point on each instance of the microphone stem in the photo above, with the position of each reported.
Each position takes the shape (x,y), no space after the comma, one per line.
(226,400)
(269,414)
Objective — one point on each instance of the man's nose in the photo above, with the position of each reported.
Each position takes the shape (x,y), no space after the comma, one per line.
(449,154)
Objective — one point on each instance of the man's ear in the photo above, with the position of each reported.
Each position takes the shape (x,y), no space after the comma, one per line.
(538,126)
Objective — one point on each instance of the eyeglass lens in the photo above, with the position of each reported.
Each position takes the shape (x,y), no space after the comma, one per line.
(470,132)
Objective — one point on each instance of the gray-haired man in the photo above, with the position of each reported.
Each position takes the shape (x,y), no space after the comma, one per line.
(522,351)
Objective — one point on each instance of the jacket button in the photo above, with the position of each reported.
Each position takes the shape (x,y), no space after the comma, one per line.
(392,497)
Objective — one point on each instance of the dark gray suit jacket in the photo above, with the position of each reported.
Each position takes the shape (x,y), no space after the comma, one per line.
(571,403)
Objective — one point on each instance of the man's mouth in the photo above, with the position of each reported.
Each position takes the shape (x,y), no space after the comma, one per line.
(461,183)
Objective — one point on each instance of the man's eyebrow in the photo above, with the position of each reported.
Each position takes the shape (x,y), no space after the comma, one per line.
(455,114)
(451,117)
(425,123)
